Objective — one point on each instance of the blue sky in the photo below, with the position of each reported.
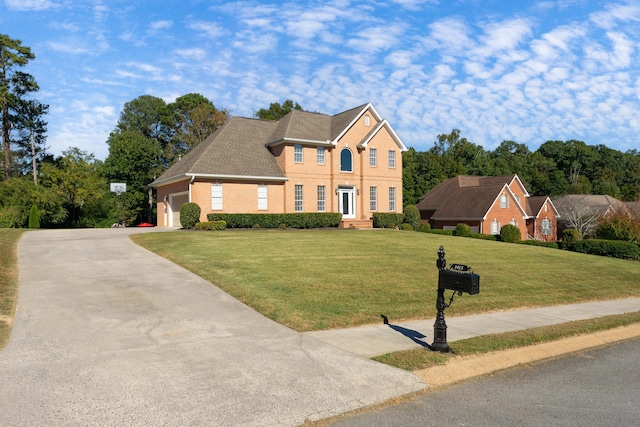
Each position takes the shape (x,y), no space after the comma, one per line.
(527,71)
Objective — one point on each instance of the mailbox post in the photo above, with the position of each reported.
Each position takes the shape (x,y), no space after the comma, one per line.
(459,279)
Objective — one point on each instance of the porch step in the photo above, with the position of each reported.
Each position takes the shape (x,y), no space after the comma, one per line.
(356,223)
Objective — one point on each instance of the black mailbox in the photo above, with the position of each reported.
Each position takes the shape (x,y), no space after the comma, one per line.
(462,281)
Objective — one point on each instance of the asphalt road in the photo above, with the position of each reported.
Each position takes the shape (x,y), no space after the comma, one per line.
(599,387)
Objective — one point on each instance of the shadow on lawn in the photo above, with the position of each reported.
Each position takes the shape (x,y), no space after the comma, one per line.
(414,336)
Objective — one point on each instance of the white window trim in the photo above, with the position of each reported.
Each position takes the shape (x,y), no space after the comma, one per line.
(373,157)
(298,152)
(263,197)
(216,197)
(392,199)
(392,159)
(352,161)
(322,198)
(373,199)
(298,202)
(321,155)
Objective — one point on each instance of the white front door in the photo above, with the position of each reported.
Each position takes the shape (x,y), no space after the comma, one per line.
(346,202)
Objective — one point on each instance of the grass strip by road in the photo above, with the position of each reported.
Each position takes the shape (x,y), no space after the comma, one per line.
(8,280)
(322,279)
(417,359)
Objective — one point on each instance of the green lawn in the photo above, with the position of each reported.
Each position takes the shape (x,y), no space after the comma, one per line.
(8,280)
(320,279)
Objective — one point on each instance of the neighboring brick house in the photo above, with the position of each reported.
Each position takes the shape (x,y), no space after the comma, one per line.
(488,203)
(305,162)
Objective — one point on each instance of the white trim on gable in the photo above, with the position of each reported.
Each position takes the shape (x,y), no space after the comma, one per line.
(384,123)
(368,107)
(513,197)
(524,189)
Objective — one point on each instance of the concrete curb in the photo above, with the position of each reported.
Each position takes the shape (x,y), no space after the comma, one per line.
(464,368)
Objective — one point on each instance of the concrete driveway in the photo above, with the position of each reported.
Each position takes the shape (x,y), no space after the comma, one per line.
(107,333)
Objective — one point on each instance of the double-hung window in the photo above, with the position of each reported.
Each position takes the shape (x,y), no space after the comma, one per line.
(263,204)
(320,155)
(297,153)
(392,199)
(545,227)
(216,197)
(322,206)
(298,200)
(373,157)
(392,159)
(373,199)
(504,201)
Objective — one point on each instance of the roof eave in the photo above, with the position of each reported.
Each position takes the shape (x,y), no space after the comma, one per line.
(313,142)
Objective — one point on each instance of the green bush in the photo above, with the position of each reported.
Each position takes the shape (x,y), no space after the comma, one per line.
(481,236)
(406,226)
(442,232)
(211,225)
(290,220)
(610,248)
(619,226)
(189,215)
(569,237)
(462,230)
(34,217)
(412,216)
(9,217)
(387,220)
(552,245)
(424,227)
(510,234)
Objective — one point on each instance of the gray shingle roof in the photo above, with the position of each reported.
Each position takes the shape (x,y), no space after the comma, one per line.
(235,149)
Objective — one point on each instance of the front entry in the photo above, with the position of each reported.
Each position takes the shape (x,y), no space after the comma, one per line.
(346,202)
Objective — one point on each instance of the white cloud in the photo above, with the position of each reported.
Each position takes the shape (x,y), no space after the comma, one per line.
(26,5)
(69,48)
(193,53)
(158,26)
(210,29)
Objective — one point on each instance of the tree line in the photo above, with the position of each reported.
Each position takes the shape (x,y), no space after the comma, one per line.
(556,168)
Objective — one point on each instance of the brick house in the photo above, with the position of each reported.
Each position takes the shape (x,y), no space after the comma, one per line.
(305,162)
(488,203)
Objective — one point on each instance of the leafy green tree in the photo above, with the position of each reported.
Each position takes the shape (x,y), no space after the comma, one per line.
(277,111)
(74,177)
(136,161)
(146,115)
(19,194)
(191,119)
(14,88)
(34,217)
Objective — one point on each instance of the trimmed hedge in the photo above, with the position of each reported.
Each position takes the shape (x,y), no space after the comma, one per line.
(189,215)
(406,226)
(211,225)
(481,236)
(424,227)
(552,245)
(442,232)
(387,220)
(611,248)
(289,220)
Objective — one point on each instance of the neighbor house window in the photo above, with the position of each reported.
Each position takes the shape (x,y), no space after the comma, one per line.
(346,160)
(367,121)
(504,201)
(297,153)
(392,199)
(322,191)
(373,199)
(320,155)
(392,159)
(373,157)
(216,197)
(545,227)
(495,227)
(299,202)
(262,198)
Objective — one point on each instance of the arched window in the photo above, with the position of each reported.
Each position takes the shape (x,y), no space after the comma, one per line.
(346,160)
(367,121)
